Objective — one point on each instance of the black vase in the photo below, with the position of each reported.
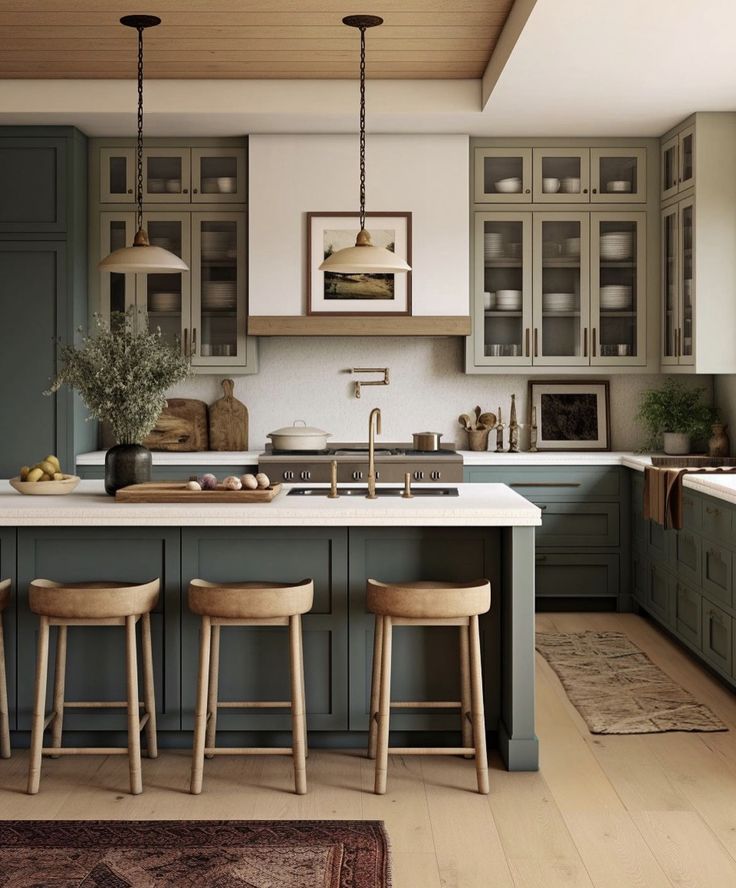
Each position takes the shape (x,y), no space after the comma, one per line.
(126,464)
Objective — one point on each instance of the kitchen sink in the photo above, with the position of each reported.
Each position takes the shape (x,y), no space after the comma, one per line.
(380,491)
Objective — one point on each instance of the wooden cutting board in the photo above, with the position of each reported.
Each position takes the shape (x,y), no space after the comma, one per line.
(181,427)
(228,421)
(177,492)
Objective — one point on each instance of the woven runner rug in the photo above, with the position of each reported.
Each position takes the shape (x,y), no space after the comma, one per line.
(202,853)
(617,689)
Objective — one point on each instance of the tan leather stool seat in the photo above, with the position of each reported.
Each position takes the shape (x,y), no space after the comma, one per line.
(4,711)
(249,601)
(98,603)
(248,604)
(429,599)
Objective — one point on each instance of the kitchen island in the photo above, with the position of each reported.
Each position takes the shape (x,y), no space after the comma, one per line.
(485,531)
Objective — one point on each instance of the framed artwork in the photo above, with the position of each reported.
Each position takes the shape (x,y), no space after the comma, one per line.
(329,293)
(570,415)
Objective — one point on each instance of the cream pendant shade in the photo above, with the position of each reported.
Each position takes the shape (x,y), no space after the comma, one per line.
(142,260)
(364,260)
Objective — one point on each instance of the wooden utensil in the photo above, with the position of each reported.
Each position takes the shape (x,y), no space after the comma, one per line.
(487,420)
(178,492)
(228,421)
(181,427)
(466,421)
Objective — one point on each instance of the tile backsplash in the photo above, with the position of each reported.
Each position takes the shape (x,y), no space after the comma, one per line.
(306,378)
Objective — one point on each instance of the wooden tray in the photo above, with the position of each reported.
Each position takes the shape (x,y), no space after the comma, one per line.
(177,492)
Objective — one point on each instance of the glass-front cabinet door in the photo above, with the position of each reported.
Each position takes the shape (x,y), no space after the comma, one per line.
(669,168)
(618,298)
(218,290)
(166,297)
(503,298)
(670,285)
(686,158)
(686,225)
(117,175)
(618,175)
(218,174)
(561,286)
(503,175)
(117,291)
(166,175)
(561,175)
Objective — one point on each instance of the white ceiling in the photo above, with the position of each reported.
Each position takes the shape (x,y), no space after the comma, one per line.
(580,67)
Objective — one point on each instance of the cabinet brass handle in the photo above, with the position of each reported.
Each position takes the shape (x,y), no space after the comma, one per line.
(585,342)
(194,340)
(595,338)
(526,342)
(536,342)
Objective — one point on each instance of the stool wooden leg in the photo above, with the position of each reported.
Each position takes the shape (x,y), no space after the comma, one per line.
(39,707)
(57,725)
(384,708)
(467,727)
(375,685)
(297,704)
(4,711)
(200,712)
(478,714)
(149,694)
(134,719)
(212,694)
(304,692)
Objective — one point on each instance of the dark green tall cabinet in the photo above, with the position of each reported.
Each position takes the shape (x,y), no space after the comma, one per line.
(43,290)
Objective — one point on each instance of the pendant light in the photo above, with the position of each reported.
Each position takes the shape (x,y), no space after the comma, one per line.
(141,258)
(364,257)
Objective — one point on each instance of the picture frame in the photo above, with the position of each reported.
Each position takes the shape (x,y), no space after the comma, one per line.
(571,414)
(340,295)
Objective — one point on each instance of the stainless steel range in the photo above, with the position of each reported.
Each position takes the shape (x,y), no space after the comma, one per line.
(393,461)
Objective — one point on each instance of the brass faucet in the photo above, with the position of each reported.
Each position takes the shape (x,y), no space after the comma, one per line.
(374,428)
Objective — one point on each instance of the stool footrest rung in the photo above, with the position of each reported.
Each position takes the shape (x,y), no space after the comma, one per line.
(85,750)
(426,704)
(97,704)
(431,750)
(248,750)
(254,704)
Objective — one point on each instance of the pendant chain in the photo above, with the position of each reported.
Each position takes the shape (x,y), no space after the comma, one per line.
(362,128)
(139,154)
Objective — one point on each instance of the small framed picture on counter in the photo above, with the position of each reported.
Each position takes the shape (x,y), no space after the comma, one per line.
(329,293)
(570,415)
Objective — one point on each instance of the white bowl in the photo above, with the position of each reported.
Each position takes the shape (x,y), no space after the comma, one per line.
(508,186)
(46,488)
(572,247)
(550,185)
(570,185)
(619,186)
(173,186)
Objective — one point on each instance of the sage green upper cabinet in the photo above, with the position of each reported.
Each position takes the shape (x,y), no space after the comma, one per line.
(33,184)
(561,175)
(618,175)
(503,175)
(194,206)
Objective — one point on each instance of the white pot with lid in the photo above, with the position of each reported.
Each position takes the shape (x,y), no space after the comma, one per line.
(299,436)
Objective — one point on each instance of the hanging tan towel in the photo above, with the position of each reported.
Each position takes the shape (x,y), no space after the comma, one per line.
(663,492)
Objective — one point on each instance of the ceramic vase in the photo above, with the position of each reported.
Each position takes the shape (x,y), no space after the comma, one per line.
(719,443)
(126,464)
(676,443)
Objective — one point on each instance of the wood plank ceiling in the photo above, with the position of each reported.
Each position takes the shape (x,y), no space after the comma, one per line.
(268,39)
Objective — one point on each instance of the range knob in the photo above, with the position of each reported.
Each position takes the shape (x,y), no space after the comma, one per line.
(305,476)
(435,476)
(288,476)
(378,476)
(357,476)
(418,476)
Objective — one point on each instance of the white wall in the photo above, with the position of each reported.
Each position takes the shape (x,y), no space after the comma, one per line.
(304,378)
(295,174)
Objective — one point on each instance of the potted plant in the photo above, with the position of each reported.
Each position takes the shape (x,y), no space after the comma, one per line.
(123,371)
(673,415)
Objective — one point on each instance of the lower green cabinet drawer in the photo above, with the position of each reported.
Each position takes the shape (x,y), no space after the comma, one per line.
(688,607)
(692,511)
(661,594)
(576,575)
(717,636)
(639,576)
(687,556)
(660,542)
(717,572)
(717,521)
(578,524)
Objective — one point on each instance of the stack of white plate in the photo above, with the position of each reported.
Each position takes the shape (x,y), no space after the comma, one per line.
(616,245)
(554,302)
(508,300)
(166,243)
(164,301)
(219,295)
(616,297)
(156,186)
(493,246)
(217,245)
(219,185)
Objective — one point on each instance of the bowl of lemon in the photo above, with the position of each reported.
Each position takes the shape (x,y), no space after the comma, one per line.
(44,479)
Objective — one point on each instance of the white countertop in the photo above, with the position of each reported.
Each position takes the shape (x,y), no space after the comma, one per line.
(478,505)
(722,487)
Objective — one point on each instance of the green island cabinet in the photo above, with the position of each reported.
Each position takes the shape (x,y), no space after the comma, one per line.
(338,632)
(582,547)
(43,293)
(684,578)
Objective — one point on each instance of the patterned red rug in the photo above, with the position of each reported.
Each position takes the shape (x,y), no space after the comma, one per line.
(201,853)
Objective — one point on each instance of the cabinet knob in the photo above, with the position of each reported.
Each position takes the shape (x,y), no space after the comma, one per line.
(185,191)
(195,190)
(130,191)
(595,191)
(527,191)
(585,190)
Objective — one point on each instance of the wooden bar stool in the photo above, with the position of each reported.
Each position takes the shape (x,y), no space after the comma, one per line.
(4,712)
(248,604)
(429,604)
(93,604)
